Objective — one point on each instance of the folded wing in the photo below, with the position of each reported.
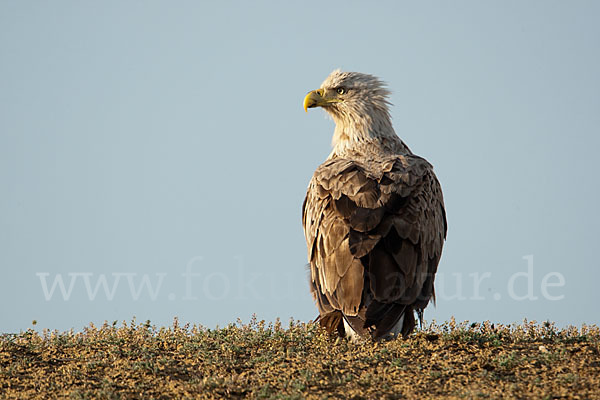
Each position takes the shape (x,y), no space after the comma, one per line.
(375,232)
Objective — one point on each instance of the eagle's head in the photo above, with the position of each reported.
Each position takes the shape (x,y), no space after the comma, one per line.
(349,93)
(357,102)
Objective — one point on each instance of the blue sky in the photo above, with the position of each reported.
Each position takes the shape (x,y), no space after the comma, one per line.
(161,148)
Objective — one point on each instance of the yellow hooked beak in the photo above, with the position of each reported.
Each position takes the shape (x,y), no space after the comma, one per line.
(319,98)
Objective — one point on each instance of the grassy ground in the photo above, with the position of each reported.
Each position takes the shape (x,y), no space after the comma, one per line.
(300,361)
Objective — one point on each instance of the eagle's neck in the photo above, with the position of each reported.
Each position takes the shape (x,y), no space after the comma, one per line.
(364,133)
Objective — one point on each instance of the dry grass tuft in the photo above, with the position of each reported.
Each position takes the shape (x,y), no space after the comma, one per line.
(260,360)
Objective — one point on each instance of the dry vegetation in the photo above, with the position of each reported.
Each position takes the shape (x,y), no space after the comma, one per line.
(300,361)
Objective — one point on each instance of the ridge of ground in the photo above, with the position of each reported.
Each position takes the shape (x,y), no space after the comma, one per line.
(259,360)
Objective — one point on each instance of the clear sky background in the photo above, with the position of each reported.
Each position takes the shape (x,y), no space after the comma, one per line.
(161,148)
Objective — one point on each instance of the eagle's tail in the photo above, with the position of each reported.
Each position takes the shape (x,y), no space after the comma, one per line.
(380,321)
(389,320)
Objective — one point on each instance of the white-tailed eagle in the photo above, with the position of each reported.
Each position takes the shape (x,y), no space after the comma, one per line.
(373,216)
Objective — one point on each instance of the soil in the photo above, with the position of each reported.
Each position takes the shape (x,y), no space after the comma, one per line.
(259,360)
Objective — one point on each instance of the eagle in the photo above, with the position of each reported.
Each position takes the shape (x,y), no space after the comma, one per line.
(373,217)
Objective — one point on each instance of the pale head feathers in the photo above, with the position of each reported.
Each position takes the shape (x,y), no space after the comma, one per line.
(364,91)
(362,115)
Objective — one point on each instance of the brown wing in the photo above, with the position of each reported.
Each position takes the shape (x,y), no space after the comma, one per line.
(374,232)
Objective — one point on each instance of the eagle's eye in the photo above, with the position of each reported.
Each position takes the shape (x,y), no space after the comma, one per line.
(340,90)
